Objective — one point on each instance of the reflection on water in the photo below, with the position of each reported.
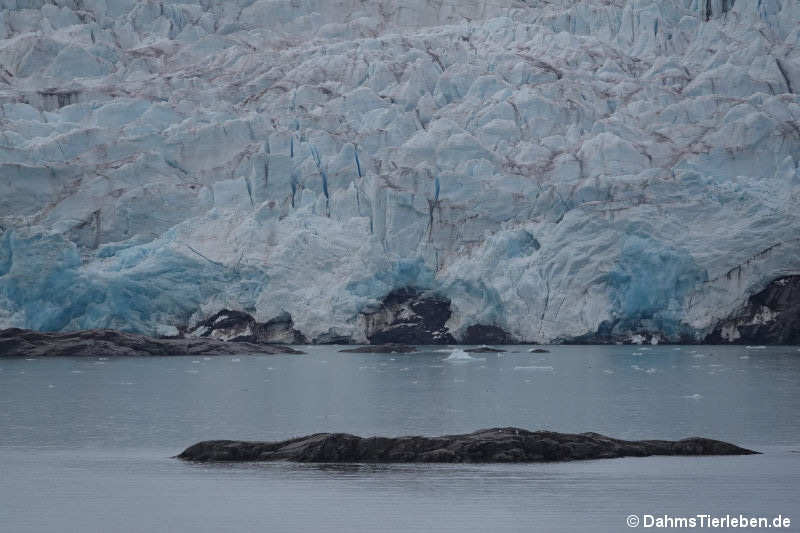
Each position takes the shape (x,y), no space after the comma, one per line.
(85,444)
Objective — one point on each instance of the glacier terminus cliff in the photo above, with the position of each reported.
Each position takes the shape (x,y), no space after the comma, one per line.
(366,170)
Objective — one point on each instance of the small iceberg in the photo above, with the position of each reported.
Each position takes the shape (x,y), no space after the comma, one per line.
(755,347)
(694,396)
(460,356)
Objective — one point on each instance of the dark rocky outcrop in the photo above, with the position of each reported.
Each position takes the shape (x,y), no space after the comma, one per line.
(631,331)
(409,316)
(771,316)
(381,348)
(482,334)
(499,445)
(52,99)
(108,343)
(484,349)
(332,337)
(538,350)
(238,326)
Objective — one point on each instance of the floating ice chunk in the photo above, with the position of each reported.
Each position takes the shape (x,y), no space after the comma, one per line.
(651,371)
(744,357)
(755,347)
(637,339)
(460,356)
(637,353)
(235,360)
(694,396)
(608,371)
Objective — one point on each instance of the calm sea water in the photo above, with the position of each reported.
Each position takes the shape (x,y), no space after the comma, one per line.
(86,444)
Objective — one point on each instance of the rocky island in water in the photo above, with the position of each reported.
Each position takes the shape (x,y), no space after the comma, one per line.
(497,445)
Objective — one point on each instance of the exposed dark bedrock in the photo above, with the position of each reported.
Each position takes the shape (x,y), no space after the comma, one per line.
(482,334)
(771,316)
(498,445)
(332,337)
(108,343)
(408,316)
(238,326)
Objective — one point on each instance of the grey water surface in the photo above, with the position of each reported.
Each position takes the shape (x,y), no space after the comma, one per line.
(86,444)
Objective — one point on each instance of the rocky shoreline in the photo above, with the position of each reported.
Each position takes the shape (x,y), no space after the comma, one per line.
(496,445)
(16,342)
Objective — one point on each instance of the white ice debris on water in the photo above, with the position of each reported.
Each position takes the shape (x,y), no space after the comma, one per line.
(548,166)
(460,356)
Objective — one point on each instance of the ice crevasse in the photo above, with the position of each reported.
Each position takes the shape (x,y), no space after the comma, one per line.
(554,170)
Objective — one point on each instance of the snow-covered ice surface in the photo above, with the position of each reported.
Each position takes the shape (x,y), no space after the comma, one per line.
(547,165)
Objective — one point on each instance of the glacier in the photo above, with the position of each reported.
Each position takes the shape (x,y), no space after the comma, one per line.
(555,169)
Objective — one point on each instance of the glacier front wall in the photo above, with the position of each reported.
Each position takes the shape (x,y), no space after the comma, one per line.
(553,168)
